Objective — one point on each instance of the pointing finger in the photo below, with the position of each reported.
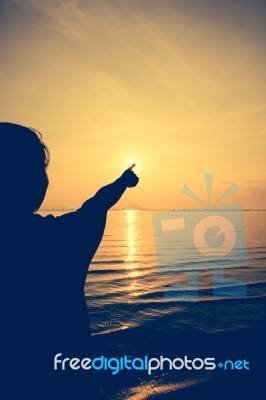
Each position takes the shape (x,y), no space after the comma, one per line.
(131,167)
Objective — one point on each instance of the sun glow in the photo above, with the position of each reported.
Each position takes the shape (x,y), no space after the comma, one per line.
(178,89)
(130,160)
(131,259)
(131,235)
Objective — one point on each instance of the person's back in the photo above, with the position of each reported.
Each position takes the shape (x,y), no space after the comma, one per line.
(44,266)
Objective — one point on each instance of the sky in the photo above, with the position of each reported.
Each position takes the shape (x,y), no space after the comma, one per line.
(176,86)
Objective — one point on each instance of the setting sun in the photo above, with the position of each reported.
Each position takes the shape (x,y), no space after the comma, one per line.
(128,163)
(179,89)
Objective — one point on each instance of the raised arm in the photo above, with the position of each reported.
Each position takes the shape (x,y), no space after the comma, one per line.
(109,195)
(83,229)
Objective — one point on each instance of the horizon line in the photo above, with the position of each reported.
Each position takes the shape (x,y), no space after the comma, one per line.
(160,209)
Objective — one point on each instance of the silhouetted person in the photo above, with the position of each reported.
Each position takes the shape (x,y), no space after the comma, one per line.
(44,262)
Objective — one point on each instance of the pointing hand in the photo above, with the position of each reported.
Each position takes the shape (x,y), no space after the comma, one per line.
(131,179)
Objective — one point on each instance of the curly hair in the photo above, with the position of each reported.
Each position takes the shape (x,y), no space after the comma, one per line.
(23,162)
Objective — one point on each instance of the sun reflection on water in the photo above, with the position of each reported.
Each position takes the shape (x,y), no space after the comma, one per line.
(131,259)
(131,236)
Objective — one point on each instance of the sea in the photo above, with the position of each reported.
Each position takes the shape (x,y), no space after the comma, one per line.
(181,283)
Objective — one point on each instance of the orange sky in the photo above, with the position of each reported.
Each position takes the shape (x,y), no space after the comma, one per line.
(176,86)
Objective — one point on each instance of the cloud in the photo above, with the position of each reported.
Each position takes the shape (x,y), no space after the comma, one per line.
(63,17)
(182,84)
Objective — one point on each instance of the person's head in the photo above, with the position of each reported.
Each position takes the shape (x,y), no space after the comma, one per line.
(24,159)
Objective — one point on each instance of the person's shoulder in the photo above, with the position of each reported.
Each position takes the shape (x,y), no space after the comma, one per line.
(57,220)
(43,219)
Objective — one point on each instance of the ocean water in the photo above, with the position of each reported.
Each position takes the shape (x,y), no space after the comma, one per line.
(127,286)
(151,291)
(139,292)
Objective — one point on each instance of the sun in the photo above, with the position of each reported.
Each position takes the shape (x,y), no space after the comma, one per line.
(129,161)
